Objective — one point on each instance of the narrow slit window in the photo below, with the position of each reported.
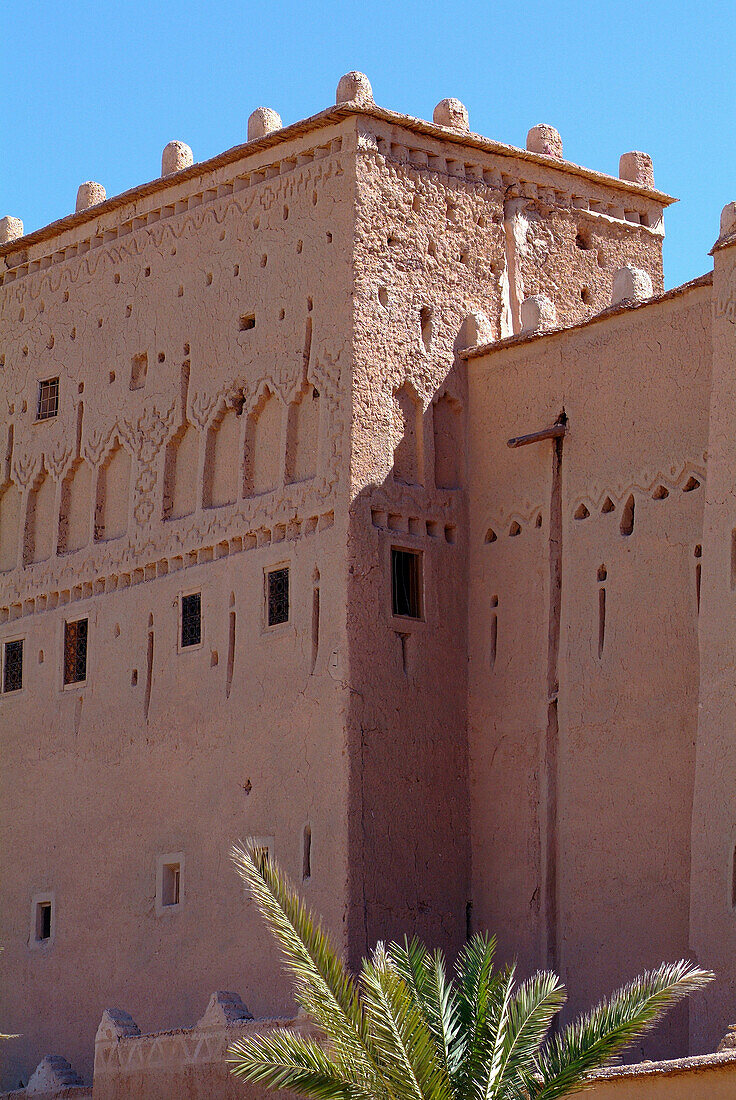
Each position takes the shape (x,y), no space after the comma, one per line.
(406,583)
(733,879)
(191,619)
(43,921)
(13,666)
(278,596)
(307,854)
(48,399)
(171,884)
(75,651)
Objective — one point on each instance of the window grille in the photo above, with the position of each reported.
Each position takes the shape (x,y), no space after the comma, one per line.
(13,666)
(75,651)
(406,583)
(48,399)
(191,619)
(278,596)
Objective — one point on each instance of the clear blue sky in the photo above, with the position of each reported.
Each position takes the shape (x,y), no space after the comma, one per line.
(94,90)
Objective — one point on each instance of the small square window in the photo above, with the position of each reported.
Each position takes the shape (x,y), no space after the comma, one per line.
(406,583)
(13,666)
(191,619)
(75,651)
(48,399)
(43,920)
(278,596)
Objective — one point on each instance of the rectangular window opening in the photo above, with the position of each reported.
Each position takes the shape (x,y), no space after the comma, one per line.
(43,921)
(75,651)
(48,399)
(191,619)
(406,583)
(278,596)
(13,666)
(171,884)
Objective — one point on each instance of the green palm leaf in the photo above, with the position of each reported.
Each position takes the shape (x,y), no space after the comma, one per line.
(601,1034)
(283,1060)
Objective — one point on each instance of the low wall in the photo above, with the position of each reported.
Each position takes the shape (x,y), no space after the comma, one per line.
(709,1077)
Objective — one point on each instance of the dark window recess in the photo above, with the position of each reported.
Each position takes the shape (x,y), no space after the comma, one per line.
(278,597)
(171,884)
(13,666)
(75,651)
(43,921)
(48,399)
(191,619)
(406,583)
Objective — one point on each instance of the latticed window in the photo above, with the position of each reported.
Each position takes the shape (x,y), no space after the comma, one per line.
(13,666)
(191,619)
(278,596)
(48,399)
(406,583)
(75,651)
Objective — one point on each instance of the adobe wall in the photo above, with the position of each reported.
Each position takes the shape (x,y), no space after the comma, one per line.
(713,884)
(582,759)
(218,449)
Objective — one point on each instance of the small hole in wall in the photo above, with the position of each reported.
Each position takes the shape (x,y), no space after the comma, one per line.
(116,631)
(464,258)
(602,573)
(180,292)
(601,258)
(40,656)
(173,252)
(432,249)
(299,246)
(329,238)
(514,529)
(286,213)
(256,222)
(236,270)
(22,314)
(582,241)
(282,314)
(99,322)
(690,485)
(660,493)
(383,296)
(80,387)
(66,295)
(314,198)
(538,520)
(480,222)
(491,535)
(128,311)
(134,678)
(116,279)
(264,260)
(427,328)
(208,280)
(186,349)
(161,357)
(214,659)
(585,296)
(310,305)
(112,376)
(307,854)
(222,235)
(147,272)
(581,512)
(247,322)
(733,880)
(392,241)
(607,506)
(416,204)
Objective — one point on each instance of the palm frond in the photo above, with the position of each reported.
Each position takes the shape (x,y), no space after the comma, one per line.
(532,1008)
(478,988)
(283,1060)
(436,999)
(596,1038)
(323,985)
(405,1047)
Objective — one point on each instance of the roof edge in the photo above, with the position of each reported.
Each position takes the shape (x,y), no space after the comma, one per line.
(479,350)
(315,122)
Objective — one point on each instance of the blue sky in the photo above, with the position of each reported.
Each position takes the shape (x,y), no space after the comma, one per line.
(95,90)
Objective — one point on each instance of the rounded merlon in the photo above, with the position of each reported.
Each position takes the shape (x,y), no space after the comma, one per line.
(636,167)
(264,120)
(631,284)
(728,219)
(10,229)
(175,157)
(538,314)
(354,87)
(452,114)
(89,194)
(475,330)
(546,140)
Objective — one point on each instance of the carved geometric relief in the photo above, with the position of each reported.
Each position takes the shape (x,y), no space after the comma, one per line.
(263,445)
(302,436)
(10,505)
(113,495)
(448,443)
(38,540)
(180,473)
(407,425)
(222,460)
(76,508)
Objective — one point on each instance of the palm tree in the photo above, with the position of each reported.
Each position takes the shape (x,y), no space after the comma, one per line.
(402,1031)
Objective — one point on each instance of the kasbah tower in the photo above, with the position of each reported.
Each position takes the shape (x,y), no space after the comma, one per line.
(270,568)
